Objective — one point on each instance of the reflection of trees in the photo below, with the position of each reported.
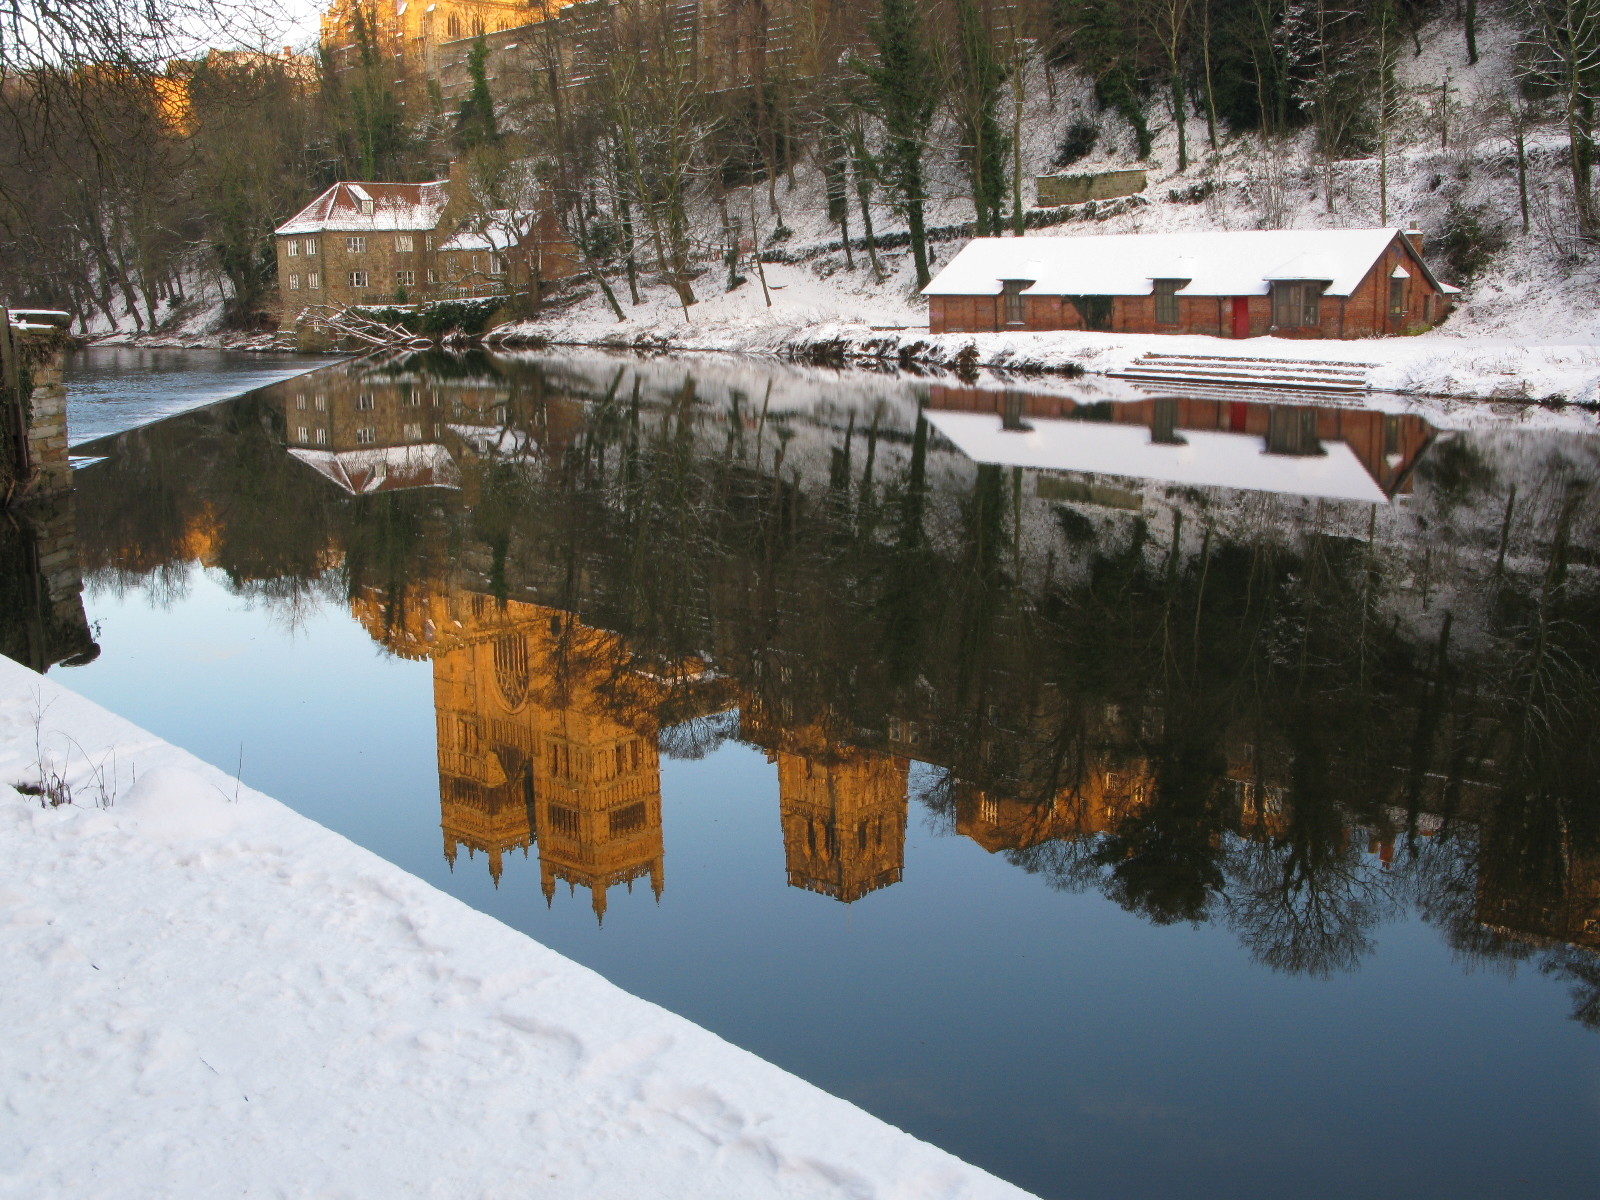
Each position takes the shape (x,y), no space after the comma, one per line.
(1278,681)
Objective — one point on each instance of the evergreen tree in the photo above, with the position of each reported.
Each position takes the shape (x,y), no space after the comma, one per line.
(905,91)
(475,123)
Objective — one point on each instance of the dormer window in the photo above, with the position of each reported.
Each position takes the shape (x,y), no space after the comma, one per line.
(1015,306)
(367,207)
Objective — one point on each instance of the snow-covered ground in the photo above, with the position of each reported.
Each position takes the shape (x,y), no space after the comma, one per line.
(206,994)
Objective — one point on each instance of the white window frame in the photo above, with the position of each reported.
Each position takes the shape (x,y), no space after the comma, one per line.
(292,247)
(360,279)
(311,247)
(404,243)
(355,244)
(314,281)
(294,283)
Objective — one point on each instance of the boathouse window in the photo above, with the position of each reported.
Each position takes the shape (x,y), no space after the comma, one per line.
(1015,306)
(355,245)
(313,281)
(1295,305)
(1397,297)
(358,279)
(1166,291)
(294,247)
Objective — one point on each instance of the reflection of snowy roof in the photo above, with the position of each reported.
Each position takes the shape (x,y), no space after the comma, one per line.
(1225,263)
(396,207)
(362,472)
(504,443)
(1206,459)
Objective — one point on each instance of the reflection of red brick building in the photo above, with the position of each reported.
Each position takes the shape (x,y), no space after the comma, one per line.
(1388,445)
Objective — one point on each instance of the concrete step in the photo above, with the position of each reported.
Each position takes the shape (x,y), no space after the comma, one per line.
(1299,374)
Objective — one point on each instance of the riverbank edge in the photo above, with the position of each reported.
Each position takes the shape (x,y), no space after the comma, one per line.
(395,1035)
(1431,367)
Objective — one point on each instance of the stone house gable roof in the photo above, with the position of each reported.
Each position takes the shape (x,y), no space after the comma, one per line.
(1221,263)
(396,207)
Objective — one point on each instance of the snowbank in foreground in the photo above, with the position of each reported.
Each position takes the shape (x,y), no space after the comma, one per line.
(208,994)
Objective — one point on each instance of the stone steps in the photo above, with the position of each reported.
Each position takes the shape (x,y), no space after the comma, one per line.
(1220,370)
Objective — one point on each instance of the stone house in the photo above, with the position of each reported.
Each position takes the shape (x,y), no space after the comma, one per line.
(385,243)
(1340,283)
(359,243)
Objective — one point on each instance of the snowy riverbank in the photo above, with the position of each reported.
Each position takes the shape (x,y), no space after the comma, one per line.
(208,994)
(823,319)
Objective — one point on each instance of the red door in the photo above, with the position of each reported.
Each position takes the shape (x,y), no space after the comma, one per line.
(1241,316)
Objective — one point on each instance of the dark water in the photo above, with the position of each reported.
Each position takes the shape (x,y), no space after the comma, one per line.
(1125,834)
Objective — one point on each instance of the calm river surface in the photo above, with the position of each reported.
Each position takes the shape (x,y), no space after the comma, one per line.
(1137,796)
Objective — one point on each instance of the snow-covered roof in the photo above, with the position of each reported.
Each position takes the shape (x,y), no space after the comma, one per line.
(1222,263)
(361,472)
(1205,459)
(396,207)
(497,230)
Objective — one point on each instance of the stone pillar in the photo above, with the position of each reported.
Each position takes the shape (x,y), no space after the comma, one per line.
(47,418)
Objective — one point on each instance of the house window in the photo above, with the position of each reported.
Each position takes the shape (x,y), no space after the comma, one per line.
(433,277)
(358,279)
(1015,309)
(1166,291)
(497,264)
(1397,297)
(322,437)
(293,248)
(321,402)
(427,241)
(310,245)
(366,435)
(413,433)
(1296,305)
(405,278)
(300,402)
(474,264)
(365,402)
(355,245)
(304,435)
(313,281)
(403,243)
(294,283)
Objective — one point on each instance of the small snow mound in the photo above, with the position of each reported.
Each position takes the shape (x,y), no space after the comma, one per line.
(173,803)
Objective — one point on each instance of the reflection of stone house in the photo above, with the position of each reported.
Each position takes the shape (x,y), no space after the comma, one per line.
(1338,283)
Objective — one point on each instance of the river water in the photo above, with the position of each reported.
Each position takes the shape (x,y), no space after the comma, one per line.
(1138,796)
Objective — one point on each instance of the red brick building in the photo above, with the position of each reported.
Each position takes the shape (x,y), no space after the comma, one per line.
(1335,283)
